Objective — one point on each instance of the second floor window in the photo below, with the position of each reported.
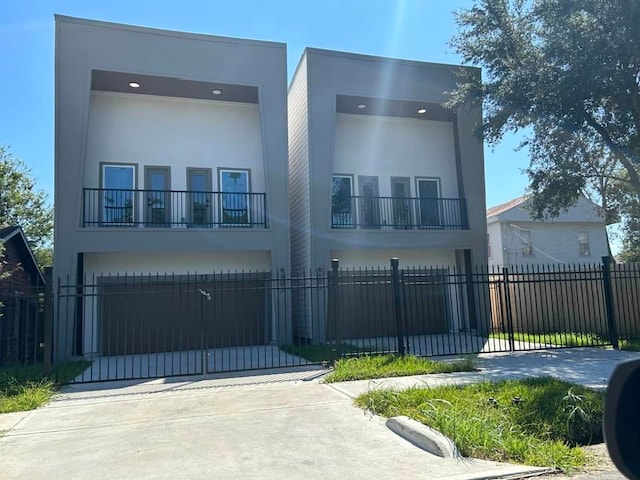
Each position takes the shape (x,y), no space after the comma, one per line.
(525,237)
(583,244)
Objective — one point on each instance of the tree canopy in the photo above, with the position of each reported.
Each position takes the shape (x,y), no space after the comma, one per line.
(23,205)
(569,72)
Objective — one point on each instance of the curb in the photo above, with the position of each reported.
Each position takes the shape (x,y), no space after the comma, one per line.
(423,437)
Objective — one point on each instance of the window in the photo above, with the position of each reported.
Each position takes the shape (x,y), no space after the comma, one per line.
(525,237)
(342,201)
(234,201)
(583,244)
(118,200)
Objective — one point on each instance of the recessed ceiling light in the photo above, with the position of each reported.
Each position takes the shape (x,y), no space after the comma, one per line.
(422,110)
(134,84)
(361,106)
(216,91)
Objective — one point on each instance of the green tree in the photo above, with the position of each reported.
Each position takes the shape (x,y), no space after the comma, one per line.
(567,71)
(23,205)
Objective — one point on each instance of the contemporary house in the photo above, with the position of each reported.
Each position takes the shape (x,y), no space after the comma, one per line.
(379,168)
(574,237)
(170,157)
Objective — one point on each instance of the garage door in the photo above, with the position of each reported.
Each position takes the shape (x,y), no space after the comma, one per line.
(149,314)
(363,306)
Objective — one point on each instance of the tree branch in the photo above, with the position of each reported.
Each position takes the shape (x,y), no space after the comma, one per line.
(617,151)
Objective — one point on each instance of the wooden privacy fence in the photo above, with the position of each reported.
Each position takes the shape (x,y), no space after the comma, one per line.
(599,299)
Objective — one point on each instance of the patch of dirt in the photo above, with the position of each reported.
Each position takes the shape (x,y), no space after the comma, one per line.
(598,466)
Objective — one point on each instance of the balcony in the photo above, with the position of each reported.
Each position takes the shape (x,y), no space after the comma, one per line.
(172,209)
(398,213)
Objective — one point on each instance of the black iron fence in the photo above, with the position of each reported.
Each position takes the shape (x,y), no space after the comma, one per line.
(22,327)
(143,326)
(172,208)
(138,326)
(400,213)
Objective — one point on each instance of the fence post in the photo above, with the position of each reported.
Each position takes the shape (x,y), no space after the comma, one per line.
(471,297)
(336,352)
(48,318)
(608,300)
(395,282)
(507,305)
(204,352)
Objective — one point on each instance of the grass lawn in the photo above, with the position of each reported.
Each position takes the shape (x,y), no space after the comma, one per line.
(380,366)
(561,339)
(569,339)
(535,421)
(320,352)
(27,388)
(631,345)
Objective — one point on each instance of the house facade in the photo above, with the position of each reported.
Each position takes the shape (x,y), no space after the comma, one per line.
(170,157)
(379,168)
(577,236)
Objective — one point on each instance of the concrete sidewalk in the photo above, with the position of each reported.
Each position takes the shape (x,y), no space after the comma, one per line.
(280,424)
(590,367)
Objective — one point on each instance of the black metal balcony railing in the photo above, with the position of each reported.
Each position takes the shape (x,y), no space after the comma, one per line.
(172,208)
(399,213)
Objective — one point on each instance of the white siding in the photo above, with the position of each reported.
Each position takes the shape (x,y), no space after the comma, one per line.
(583,211)
(175,132)
(395,147)
(299,195)
(553,242)
(495,240)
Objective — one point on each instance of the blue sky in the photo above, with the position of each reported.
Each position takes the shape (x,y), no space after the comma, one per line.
(411,29)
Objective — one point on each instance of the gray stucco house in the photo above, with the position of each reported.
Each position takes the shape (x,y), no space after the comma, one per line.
(379,168)
(170,156)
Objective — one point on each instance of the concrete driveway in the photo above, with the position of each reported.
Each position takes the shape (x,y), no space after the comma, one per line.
(278,425)
(273,425)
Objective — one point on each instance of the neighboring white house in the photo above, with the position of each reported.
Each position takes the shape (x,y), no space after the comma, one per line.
(575,236)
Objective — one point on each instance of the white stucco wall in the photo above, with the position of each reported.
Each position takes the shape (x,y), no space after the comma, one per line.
(553,242)
(380,258)
(395,147)
(174,262)
(176,132)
